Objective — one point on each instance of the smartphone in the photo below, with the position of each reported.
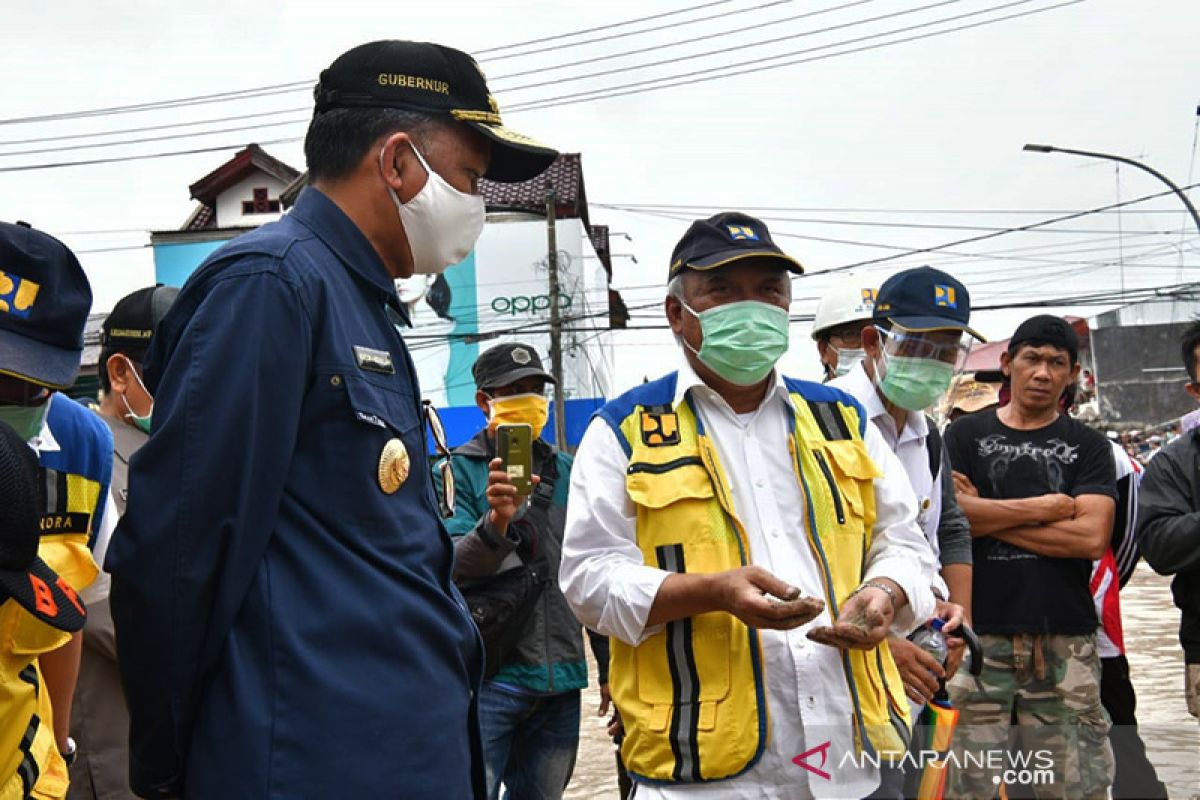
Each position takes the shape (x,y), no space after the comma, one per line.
(514,447)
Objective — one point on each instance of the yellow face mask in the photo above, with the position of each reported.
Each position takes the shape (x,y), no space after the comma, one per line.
(530,409)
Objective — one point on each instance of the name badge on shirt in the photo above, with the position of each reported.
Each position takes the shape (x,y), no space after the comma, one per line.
(374,360)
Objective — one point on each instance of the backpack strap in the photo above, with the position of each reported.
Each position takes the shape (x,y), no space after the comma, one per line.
(933,444)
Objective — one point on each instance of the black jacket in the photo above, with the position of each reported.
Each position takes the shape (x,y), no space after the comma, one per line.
(1169,530)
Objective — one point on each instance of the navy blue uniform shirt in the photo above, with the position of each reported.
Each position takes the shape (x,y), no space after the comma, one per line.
(286,628)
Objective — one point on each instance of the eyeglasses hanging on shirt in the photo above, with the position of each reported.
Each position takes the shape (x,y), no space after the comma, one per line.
(445,472)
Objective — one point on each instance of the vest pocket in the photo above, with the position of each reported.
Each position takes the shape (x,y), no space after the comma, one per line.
(685,670)
(853,471)
(658,485)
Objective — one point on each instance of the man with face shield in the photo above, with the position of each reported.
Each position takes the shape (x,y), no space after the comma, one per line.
(286,621)
(844,311)
(913,345)
(747,540)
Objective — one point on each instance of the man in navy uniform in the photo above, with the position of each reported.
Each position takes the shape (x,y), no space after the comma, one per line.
(286,621)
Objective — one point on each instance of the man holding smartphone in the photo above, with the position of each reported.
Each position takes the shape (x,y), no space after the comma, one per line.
(510,510)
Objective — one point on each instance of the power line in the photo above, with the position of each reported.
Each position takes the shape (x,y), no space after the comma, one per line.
(145,156)
(597,28)
(688,78)
(162,138)
(993,235)
(746,45)
(587,96)
(305,85)
(146,128)
(741,29)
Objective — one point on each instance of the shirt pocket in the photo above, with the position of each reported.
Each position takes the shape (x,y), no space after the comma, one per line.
(380,406)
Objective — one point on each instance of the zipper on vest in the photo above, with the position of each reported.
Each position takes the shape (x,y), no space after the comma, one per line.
(837,497)
(659,469)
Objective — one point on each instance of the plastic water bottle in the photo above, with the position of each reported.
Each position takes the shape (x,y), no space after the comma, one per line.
(930,639)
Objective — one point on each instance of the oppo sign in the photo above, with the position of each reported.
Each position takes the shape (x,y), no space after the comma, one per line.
(528,303)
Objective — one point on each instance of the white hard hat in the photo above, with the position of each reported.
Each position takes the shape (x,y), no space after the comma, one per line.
(849,300)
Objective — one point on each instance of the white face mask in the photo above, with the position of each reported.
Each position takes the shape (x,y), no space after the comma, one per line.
(848,359)
(442,223)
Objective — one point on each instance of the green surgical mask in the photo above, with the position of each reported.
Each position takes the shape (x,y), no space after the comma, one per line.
(27,421)
(742,341)
(913,383)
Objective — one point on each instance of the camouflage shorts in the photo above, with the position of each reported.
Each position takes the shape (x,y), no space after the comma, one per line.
(1191,688)
(1032,720)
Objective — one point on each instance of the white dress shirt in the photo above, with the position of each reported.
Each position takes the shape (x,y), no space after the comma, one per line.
(611,590)
(909,446)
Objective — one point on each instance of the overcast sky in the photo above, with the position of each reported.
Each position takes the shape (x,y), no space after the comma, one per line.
(868,142)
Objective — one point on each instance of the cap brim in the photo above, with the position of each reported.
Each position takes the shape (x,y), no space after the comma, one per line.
(728,257)
(38,362)
(18,585)
(515,156)
(512,376)
(927,324)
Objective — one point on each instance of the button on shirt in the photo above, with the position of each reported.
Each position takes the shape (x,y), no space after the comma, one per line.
(612,591)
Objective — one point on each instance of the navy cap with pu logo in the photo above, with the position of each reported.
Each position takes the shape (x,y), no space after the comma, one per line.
(45,298)
(724,239)
(925,299)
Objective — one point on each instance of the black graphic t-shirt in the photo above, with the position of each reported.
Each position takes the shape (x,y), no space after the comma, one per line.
(1016,591)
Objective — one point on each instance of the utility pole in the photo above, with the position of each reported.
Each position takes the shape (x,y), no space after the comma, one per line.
(556,370)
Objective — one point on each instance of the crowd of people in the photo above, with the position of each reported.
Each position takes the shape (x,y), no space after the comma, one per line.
(244,574)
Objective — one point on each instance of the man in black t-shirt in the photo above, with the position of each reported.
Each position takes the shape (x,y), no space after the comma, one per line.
(1039,490)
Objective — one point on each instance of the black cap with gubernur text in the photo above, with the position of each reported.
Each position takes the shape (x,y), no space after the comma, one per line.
(422,76)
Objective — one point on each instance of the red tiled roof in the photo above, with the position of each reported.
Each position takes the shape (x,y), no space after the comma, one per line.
(202,218)
(564,176)
(251,158)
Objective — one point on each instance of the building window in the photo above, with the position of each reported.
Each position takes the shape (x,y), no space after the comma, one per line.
(260,204)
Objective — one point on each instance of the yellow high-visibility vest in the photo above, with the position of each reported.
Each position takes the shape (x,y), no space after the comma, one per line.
(692,697)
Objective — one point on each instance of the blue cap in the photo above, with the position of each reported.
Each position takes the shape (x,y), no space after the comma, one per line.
(44,303)
(725,238)
(925,299)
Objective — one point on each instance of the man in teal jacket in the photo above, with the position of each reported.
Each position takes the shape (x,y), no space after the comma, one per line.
(529,710)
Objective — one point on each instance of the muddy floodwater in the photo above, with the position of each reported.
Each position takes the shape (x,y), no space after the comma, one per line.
(1155,660)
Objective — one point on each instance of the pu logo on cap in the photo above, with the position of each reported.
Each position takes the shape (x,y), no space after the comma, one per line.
(520,355)
(741,233)
(944,297)
(17,294)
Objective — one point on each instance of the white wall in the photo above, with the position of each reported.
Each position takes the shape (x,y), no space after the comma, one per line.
(229,202)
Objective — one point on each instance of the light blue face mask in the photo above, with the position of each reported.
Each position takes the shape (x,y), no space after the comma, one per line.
(742,341)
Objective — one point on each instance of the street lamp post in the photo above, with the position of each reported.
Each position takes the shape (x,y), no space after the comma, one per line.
(1046,148)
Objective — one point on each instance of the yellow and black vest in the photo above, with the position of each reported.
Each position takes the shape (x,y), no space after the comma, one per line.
(72,487)
(692,696)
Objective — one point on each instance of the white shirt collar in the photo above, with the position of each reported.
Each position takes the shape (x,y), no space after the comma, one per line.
(688,379)
(45,442)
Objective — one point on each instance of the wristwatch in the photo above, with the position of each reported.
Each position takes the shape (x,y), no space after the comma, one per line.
(72,752)
(883,587)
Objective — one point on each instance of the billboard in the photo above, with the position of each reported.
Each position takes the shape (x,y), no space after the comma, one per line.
(500,293)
